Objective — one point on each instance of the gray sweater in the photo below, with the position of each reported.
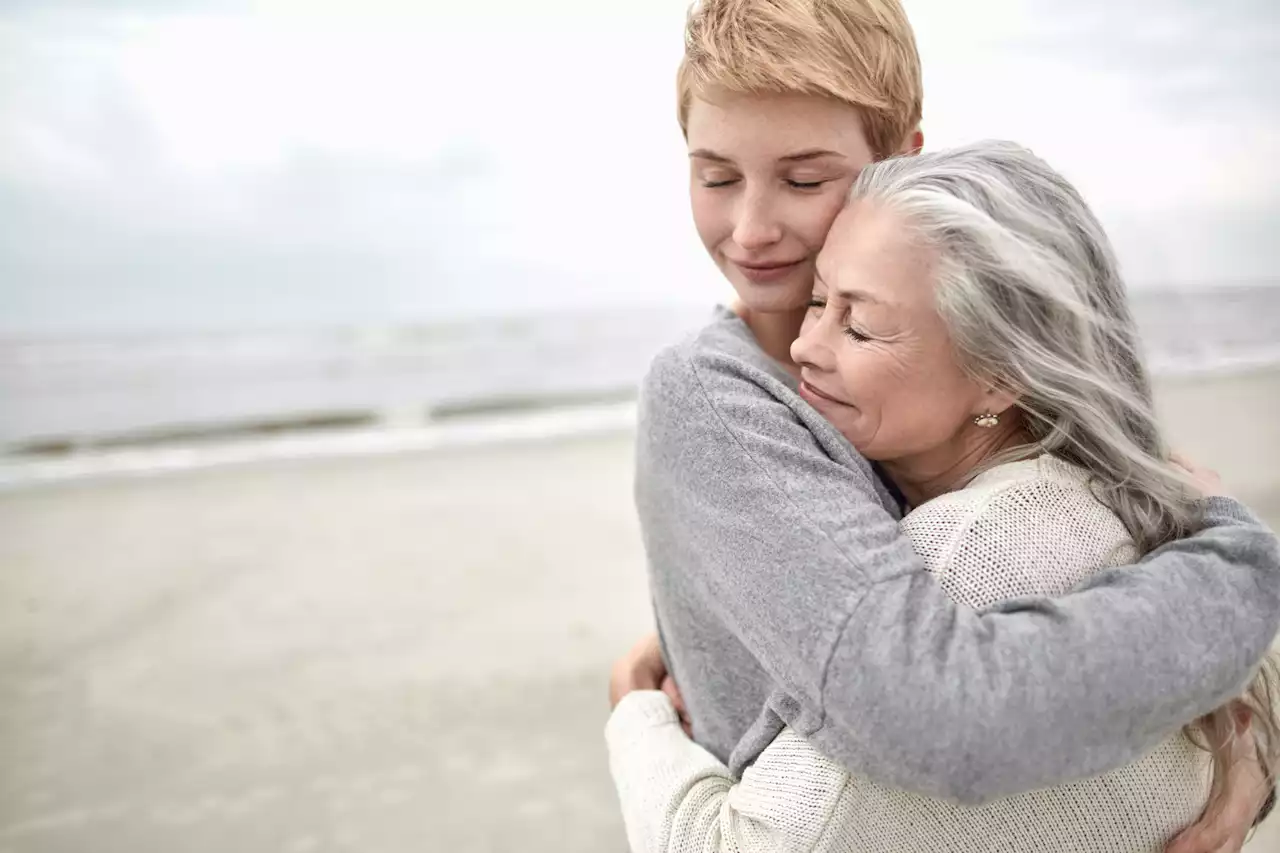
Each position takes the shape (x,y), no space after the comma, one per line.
(786,595)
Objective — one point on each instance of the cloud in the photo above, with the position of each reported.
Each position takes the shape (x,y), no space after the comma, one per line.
(13,9)
(185,163)
(199,163)
(1203,59)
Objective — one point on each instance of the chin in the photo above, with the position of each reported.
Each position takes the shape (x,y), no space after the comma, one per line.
(859,440)
(871,454)
(775,297)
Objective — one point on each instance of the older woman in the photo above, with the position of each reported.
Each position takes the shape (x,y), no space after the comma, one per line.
(969,331)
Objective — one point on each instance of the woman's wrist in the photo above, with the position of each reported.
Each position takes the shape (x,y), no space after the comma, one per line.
(1267,805)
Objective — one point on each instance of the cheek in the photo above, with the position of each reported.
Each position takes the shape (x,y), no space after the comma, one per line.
(710,217)
(871,380)
(813,222)
(897,407)
(916,410)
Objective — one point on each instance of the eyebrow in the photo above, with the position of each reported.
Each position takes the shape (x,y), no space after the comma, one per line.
(812,154)
(798,157)
(858,296)
(704,154)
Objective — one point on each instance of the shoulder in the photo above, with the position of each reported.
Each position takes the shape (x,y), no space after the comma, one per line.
(719,381)
(1025,528)
(1020,494)
(717,412)
(721,353)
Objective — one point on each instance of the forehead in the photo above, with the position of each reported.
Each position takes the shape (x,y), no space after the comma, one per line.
(875,250)
(746,126)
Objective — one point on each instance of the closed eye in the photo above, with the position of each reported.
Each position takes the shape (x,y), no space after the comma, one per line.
(854,335)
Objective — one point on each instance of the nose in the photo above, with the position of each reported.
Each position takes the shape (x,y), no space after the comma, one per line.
(810,350)
(757,226)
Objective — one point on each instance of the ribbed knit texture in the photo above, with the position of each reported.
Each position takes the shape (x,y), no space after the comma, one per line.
(1026,528)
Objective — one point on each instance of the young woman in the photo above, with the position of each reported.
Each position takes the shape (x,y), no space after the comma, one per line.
(969,331)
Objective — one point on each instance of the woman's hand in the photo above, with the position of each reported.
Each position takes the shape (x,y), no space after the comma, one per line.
(1225,829)
(673,693)
(642,668)
(1206,480)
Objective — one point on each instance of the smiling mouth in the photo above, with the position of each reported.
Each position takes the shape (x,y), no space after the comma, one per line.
(807,389)
(767,272)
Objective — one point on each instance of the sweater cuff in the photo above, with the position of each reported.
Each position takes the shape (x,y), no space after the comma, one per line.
(1224,510)
(639,711)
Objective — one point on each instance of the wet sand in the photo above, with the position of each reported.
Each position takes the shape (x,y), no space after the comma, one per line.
(397,653)
(391,654)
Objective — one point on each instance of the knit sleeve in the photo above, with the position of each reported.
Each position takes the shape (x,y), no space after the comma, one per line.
(872,660)
(678,798)
(1033,532)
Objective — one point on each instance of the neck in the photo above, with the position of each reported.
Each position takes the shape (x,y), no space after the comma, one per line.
(925,476)
(775,333)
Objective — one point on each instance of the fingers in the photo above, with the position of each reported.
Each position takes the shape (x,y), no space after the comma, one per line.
(1206,480)
(1233,845)
(642,668)
(619,682)
(1212,841)
(1221,828)
(1225,827)
(647,663)
(673,693)
(1209,835)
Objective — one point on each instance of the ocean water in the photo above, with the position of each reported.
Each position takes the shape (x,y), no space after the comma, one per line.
(335,180)
(145,389)
(66,393)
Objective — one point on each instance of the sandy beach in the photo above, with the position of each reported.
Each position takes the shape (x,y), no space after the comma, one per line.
(379,654)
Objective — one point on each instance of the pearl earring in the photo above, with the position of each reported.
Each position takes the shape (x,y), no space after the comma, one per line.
(987,421)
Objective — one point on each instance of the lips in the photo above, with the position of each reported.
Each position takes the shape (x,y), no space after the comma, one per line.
(762,272)
(807,391)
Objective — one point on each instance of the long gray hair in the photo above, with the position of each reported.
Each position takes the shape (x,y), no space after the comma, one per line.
(1031,293)
(1032,297)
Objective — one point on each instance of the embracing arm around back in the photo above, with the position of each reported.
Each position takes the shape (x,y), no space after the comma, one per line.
(1021,529)
(781,533)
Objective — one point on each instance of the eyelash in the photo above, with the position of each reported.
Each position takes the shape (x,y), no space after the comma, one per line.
(849,331)
(795,185)
(854,335)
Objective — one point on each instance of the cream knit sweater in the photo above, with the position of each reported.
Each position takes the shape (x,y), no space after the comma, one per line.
(677,798)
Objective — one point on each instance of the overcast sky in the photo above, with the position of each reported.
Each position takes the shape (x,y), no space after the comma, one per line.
(227,164)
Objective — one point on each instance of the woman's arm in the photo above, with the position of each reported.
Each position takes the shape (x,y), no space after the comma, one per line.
(657,773)
(676,796)
(783,534)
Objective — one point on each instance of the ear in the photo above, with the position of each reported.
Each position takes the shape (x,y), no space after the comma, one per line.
(996,401)
(913,143)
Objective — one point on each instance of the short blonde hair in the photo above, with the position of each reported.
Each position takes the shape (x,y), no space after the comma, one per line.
(862,52)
